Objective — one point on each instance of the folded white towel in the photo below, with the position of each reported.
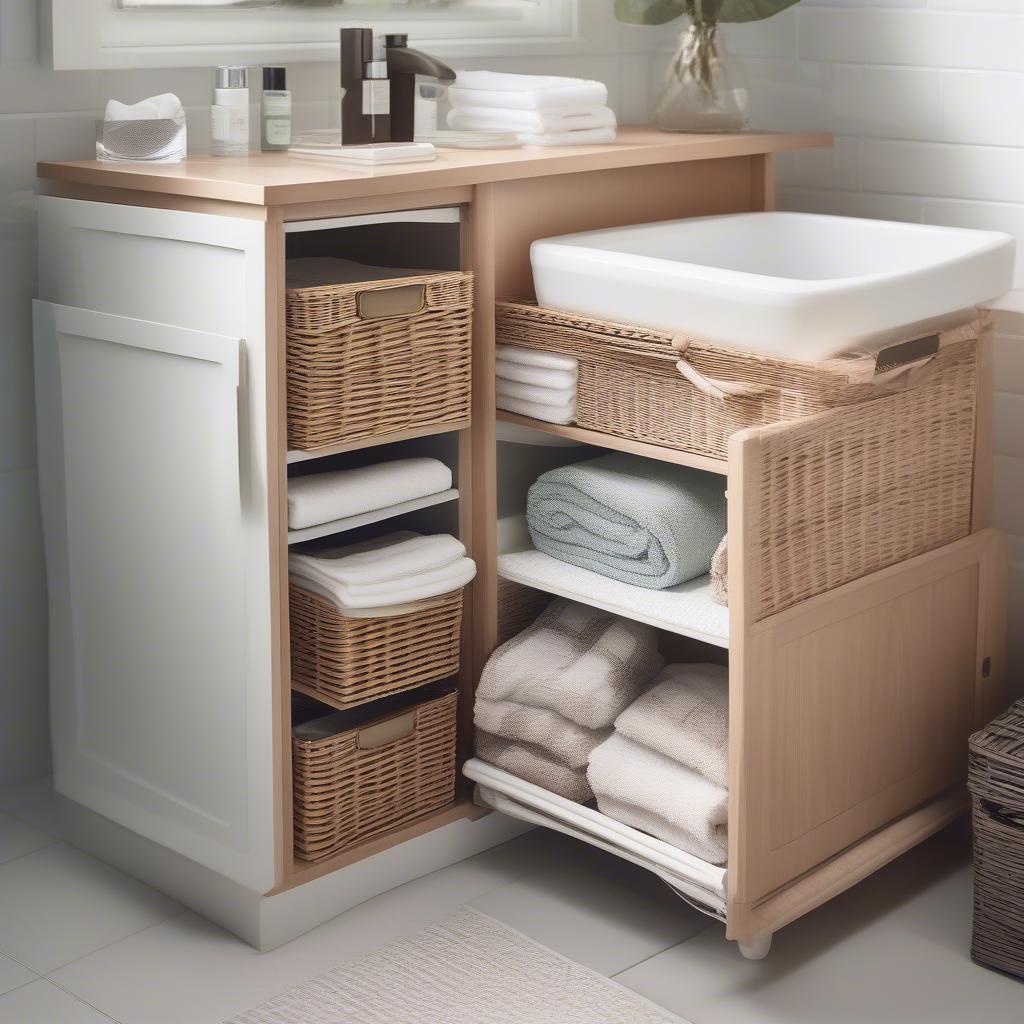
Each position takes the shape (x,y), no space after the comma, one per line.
(524,92)
(535,393)
(685,716)
(645,789)
(537,357)
(398,556)
(392,570)
(587,665)
(586,137)
(559,737)
(324,497)
(534,122)
(532,764)
(540,376)
(563,414)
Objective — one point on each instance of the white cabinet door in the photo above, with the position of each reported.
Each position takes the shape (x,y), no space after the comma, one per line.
(157,722)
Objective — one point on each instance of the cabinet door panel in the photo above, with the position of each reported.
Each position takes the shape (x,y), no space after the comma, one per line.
(153,710)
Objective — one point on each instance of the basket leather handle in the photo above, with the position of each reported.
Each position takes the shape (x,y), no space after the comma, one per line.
(389,731)
(904,361)
(388,303)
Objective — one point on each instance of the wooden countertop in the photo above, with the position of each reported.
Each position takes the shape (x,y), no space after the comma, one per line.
(274,179)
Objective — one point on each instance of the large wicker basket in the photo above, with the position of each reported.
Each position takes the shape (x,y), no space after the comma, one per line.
(359,783)
(345,661)
(996,779)
(673,391)
(373,358)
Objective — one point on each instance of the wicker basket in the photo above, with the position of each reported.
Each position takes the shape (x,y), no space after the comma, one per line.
(377,357)
(347,661)
(357,784)
(518,607)
(669,390)
(996,779)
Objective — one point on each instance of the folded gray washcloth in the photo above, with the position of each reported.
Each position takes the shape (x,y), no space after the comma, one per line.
(561,739)
(652,524)
(584,664)
(644,789)
(685,716)
(533,764)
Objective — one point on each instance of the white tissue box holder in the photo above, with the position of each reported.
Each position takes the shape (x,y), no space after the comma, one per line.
(158,140)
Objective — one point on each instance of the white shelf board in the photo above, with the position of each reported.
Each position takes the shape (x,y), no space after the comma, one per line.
(696,879)
(366,518)
(686,609)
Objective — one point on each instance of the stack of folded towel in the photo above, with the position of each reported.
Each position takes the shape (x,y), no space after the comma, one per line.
(388,573)
(549,696)
(325,497)
(651,524)
(664,770)
(541,110)
(538,384)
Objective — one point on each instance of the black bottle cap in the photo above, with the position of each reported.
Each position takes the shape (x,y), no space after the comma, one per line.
(396,39)
(274,79)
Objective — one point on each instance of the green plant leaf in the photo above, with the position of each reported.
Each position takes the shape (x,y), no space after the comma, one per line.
(648,12)
(751,10)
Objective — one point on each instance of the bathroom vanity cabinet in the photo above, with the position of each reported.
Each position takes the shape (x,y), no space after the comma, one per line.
(163,456)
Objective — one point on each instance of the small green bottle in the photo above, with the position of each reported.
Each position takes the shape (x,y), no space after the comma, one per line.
(275,111)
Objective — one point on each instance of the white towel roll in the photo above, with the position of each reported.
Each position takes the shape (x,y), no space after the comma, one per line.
(560,397)
(562,414)
(524,92)
(521,373)
(537,357)
(534,122)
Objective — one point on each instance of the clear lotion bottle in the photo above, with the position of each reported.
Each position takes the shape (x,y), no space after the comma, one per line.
(230,112)
(275,111)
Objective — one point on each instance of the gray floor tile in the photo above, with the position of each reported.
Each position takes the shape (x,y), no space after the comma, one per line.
(43,1003)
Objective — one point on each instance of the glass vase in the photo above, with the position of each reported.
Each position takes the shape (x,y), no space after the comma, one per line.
(705,88)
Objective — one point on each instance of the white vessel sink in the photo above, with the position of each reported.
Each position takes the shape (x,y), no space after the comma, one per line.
(801,285)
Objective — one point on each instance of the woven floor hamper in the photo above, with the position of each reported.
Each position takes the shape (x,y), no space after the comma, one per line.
(346,661)
(996,780)
(354,373)
(347,792)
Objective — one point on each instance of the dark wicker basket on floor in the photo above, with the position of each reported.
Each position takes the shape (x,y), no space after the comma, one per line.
(996,780)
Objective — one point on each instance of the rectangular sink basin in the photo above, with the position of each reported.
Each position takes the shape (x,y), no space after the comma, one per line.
(799,285)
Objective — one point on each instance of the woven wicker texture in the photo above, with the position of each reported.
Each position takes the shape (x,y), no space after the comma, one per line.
(630,386)
(996,779)
(345,661)
(351,378)
(343,795)
(518,607)
(853,490)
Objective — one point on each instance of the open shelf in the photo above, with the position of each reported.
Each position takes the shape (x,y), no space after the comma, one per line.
(378,439)
(366,518)
(686,609)
(620,444)
(694,878)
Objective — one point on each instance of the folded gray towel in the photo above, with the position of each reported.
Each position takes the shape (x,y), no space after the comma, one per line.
(584,664)
(532,764)
(685,716)
(652,524)
(561,739)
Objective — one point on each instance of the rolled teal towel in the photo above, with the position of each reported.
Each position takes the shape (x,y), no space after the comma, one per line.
(652,524)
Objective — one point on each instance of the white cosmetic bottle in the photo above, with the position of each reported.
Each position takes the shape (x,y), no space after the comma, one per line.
(230,112)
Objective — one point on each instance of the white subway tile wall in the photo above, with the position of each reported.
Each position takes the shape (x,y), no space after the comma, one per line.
(926,98)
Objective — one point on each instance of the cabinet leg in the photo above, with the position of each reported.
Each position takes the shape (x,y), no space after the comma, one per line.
(756,949)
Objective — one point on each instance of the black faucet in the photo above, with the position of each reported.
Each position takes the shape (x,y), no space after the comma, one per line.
(404,64)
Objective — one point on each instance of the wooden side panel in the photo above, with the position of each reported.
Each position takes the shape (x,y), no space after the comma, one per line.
(854,707)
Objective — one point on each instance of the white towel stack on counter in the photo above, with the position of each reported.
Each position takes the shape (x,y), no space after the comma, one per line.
(386,574)
(537,384)
(664,770)
(541,110)
(324,497)
(549,696)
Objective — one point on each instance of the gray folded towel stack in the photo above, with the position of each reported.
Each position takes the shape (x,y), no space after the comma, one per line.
(665,769)
(651,524)
(549,696)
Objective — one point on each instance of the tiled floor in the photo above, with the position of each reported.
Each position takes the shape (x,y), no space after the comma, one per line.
(81,943)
